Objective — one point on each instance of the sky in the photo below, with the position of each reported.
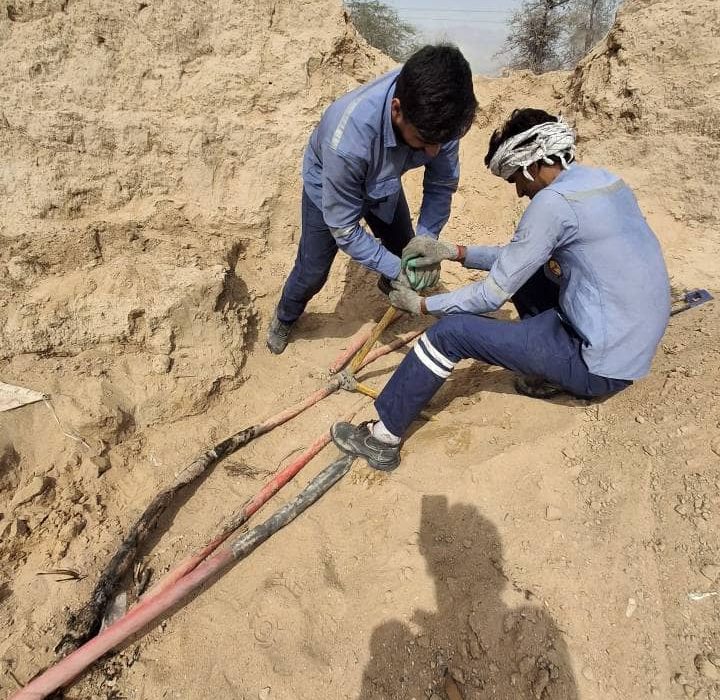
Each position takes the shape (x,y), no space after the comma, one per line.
(478,27)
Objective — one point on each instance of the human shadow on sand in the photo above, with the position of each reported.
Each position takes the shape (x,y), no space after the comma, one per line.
(474,647)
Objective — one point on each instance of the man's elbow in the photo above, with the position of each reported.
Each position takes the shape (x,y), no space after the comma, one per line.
(344,234)
(494,295)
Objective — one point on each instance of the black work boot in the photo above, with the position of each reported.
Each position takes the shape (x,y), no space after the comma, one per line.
(278,335)
(385,285)
(358,441)
(536,387)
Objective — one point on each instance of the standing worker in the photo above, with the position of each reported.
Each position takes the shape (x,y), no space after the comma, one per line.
(407,118)
(584,270)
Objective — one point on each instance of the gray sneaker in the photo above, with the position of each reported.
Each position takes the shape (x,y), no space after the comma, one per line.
(536,387)
(278,335)
(357,440)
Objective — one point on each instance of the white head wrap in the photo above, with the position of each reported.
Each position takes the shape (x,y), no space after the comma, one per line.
(538,143)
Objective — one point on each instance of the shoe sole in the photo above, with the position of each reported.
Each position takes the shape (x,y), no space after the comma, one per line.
(537,394)
(383,467)
(273,350)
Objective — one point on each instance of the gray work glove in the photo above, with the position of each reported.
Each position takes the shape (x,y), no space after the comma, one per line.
(404,297)
(425,250)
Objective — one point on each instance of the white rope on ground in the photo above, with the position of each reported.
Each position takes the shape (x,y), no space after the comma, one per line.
(47,401)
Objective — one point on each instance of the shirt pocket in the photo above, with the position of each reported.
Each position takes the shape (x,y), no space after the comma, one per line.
(382,190)
(382,197)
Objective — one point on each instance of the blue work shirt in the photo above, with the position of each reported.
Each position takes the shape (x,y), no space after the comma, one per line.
(353,164)
(588,231)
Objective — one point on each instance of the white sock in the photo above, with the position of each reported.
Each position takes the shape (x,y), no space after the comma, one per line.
(380,432)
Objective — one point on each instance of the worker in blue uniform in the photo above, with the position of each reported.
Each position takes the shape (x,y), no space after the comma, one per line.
(583,269)
(409,118)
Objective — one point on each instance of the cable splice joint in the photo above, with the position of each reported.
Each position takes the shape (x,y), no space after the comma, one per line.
(347,380)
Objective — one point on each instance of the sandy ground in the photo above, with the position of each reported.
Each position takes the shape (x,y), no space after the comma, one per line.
(524,549)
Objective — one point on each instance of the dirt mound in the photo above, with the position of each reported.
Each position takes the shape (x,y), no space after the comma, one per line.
(646,100)
(147,150)
(148,214)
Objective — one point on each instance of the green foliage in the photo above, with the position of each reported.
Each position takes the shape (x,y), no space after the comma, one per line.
(382,28)
(551,34)
(535,32)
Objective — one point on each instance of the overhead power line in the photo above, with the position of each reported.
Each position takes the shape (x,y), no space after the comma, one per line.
(451,9)
(453,19)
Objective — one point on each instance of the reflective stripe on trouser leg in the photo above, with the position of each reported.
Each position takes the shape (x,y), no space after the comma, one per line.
(414,383)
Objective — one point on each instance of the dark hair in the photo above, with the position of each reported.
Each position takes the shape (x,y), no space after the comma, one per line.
(436,95)
(520,120)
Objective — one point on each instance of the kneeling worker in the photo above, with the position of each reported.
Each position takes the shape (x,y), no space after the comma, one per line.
(583,269)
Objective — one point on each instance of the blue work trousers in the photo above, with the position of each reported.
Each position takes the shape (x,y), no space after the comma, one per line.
(317,249)
(539,344)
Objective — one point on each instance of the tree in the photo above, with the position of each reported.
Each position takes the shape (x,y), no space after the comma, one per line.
(382,28)
(536,29)
(587,22)
(550,34)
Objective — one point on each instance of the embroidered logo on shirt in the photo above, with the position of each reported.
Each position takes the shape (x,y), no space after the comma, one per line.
(554,267)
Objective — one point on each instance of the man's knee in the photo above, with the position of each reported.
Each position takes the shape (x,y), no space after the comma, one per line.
(451,333)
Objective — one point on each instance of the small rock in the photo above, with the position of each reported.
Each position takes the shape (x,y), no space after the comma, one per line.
(689,691)
(711,572)
(639,419)
(451,689)
(457,674)
(706,668)
(423,642)
(526,663)
(631,607)
(541,682)
(714,659)
(649,450)
(19,529)
(264,693)
(681,509)
(102,462)
(72,528)
(161,364)
(467,544)
(569,453)
(553,513)
(23,495)
(508,622)
(588,674)
(715,446)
